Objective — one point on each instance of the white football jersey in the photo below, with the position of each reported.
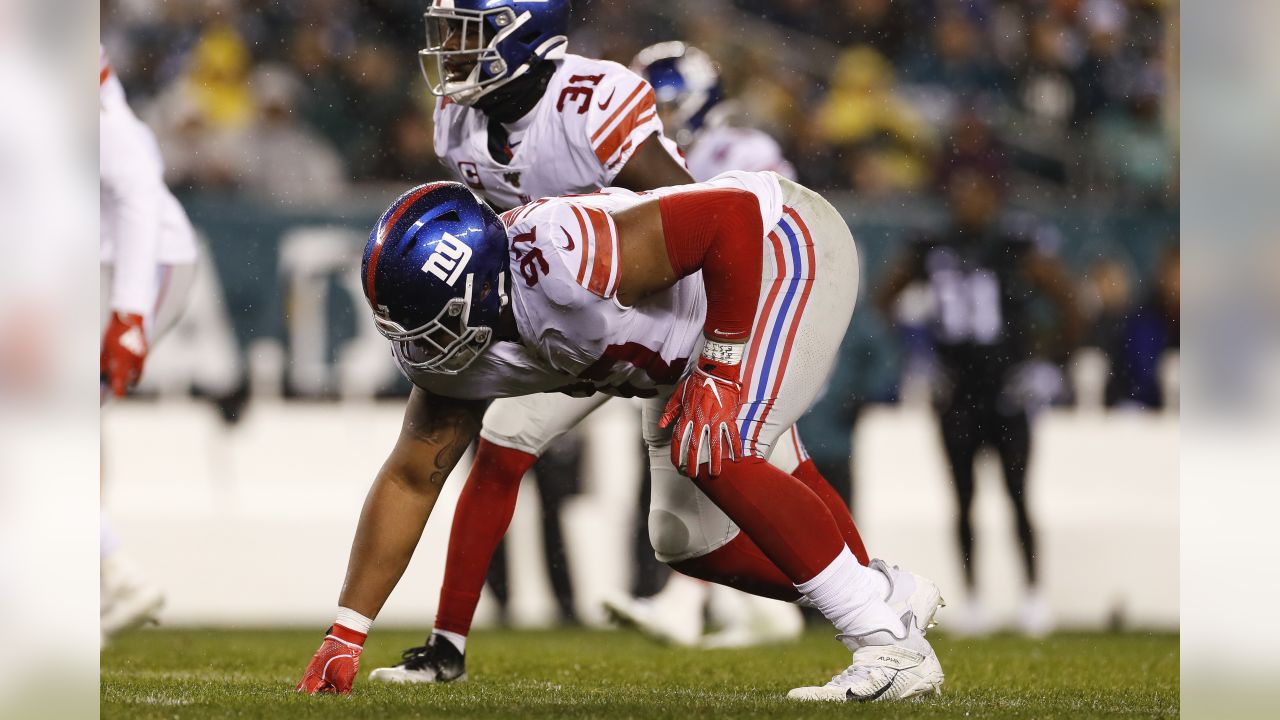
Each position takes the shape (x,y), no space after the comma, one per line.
(575,336)
(721,148)
(592,117)
(143,225)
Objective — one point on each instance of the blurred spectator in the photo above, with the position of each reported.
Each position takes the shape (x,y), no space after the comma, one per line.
(217,79)
(971,147)
(1091,67)
(375,81)
(202,118)
(881,24)
(884,141)
(957,62)
(324,106)
(1131,144)
(413,157)
(1147,334)
(1106,303)
(1046,87)
(282,158)
(197,154)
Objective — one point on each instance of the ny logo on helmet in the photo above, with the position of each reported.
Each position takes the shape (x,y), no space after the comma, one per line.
(449,259)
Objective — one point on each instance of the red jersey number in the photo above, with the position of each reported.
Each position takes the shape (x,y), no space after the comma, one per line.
(531,260)
(580,92)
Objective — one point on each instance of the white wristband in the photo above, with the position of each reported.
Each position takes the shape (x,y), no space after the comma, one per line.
(722,353)
(353,620)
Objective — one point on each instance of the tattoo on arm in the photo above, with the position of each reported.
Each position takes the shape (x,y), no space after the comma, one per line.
(447,457)
(436,432)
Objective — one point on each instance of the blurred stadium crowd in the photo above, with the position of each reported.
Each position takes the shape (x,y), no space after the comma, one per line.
(1064,103)
(876,96)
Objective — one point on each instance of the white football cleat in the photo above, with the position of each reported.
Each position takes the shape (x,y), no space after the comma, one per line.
(127,601)
(972,620)
(679,627)
(754,620)
(885,667)
(673,616)
(1035,618)
(909,592)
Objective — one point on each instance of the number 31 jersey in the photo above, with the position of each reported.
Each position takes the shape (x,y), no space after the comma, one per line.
(592,117)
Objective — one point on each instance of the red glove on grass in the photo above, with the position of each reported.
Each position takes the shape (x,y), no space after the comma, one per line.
(333,668)
(704,410)
(124,350)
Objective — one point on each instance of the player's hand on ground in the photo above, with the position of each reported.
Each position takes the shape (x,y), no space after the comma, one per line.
(124,350)
(703,415)
(332,669)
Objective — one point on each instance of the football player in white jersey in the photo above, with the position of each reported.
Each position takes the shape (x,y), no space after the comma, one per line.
(707,127)
(695,115)
(148,252)
(715,302)
(519,118)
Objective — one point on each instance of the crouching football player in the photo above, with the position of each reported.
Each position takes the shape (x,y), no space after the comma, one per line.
(715,301)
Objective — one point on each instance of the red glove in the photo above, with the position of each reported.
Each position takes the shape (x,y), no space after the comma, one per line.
(124,350)
(704,409)
(333,668)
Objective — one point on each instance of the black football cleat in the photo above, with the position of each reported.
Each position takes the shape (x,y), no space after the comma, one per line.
(439,661)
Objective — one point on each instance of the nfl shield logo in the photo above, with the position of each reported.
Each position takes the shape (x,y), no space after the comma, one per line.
(512,178)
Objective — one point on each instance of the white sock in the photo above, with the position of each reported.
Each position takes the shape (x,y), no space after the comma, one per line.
(881,583)
(848,595)
(459,641)
(352,620)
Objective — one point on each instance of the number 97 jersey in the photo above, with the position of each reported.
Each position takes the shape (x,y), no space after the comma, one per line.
(592,117)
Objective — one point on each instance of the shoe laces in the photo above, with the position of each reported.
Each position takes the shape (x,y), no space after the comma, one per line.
(416,657)
(861,670)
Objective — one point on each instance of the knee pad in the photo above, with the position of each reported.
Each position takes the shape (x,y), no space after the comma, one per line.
(683,522)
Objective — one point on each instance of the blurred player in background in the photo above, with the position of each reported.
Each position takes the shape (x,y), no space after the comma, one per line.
(749,276)
(148,255)
(712,132)
(713,137)
(521,118)
(983,272)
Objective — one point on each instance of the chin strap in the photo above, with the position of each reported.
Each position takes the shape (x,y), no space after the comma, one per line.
(514,100)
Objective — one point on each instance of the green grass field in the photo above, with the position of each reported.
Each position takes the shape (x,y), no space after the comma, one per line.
(588,674)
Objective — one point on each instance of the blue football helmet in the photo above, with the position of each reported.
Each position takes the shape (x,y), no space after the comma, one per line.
(435,273)
(685,82)
(476,46)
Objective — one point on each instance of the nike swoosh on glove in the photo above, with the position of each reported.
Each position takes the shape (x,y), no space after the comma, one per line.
(333,668)
(704,412)
(124,350)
